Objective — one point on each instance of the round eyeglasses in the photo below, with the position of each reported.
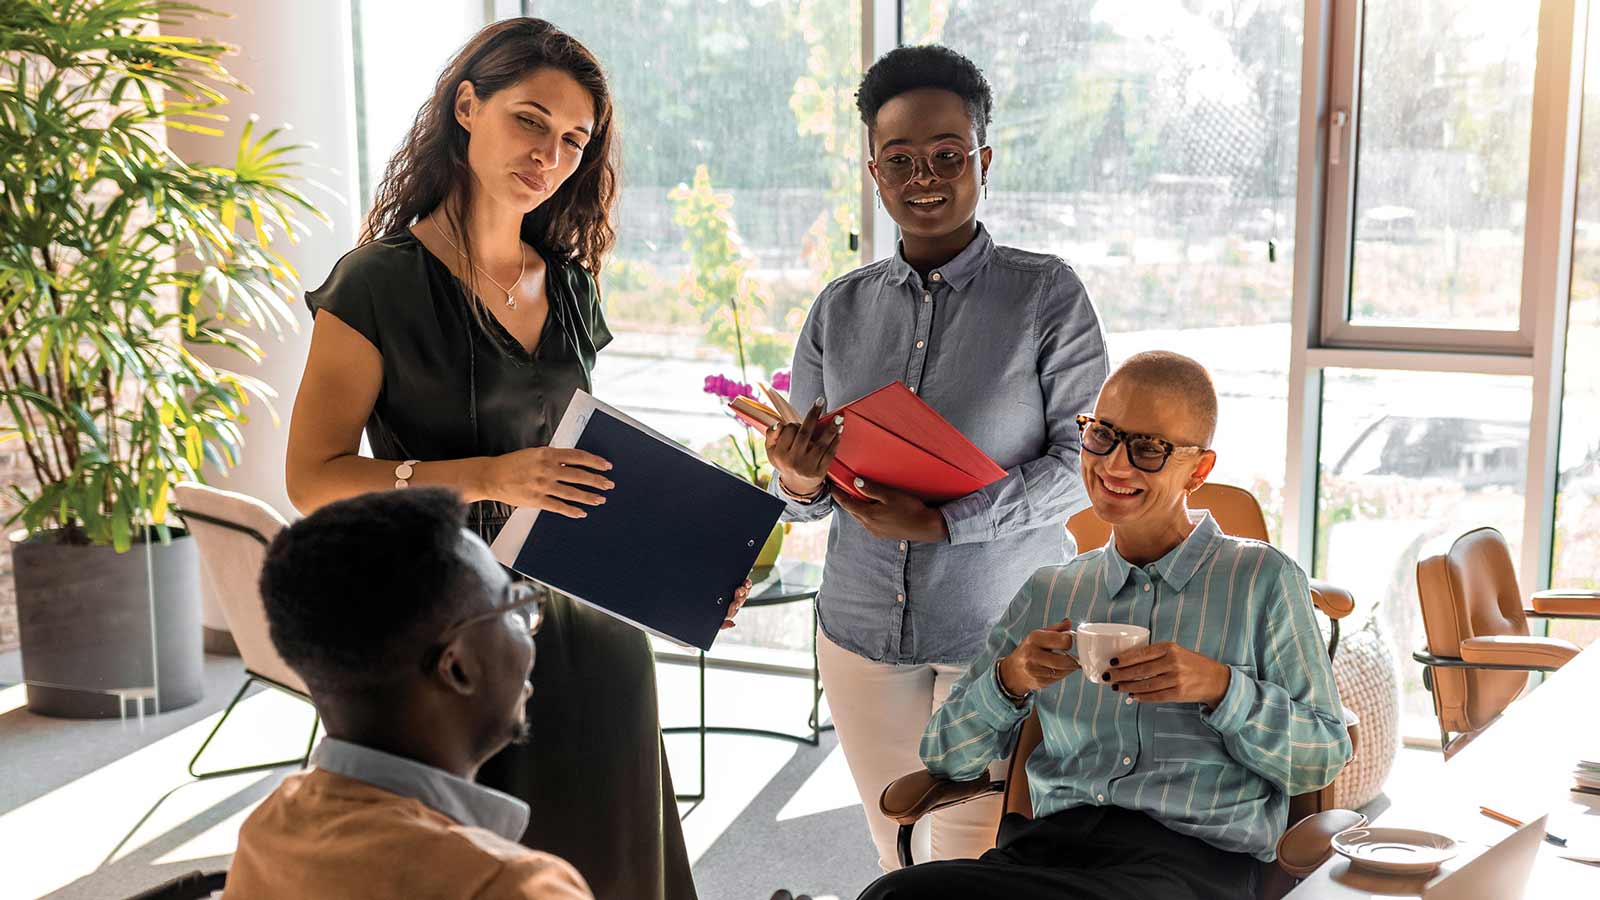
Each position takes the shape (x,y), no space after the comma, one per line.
(1146,452)
(521,598)
(946,162)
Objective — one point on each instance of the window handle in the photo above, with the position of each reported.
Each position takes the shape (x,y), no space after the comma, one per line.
(1336,136)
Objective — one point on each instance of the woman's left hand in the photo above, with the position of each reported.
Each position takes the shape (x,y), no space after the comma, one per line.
(740,595)
(893,514)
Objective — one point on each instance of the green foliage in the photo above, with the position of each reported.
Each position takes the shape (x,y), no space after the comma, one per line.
(718,284)
(117,257)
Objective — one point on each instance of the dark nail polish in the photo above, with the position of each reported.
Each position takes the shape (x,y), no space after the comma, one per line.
(1116,687)
(1106,676)
(1113,660)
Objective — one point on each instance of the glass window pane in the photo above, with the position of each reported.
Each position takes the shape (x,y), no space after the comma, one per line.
(1576,555)
(1152,146)
(1442,163)
(741,188)
(1409,461)
(401,47)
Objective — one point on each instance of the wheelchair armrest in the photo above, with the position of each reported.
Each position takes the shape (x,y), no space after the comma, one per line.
(1309,842)
(910,797)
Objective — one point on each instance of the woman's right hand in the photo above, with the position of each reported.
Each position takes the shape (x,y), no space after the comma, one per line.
(802,452)
(557,480)
(1040,660)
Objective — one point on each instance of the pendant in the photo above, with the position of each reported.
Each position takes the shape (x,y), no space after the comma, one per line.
(511,302)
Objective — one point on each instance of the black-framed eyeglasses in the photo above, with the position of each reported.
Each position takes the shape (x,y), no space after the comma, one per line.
(521,598)
(946,162)
(1146,452)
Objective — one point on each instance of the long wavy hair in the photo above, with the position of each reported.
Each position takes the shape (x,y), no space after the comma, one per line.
(574,224)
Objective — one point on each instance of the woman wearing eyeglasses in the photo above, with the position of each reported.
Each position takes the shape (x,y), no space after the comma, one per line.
(1004,344)
(456,335)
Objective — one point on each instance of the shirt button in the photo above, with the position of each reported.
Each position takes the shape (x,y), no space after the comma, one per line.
(921,344)
(1127,760)
(1147,588)
(913,389)
(899,598)
(1127,699)
(1100,797)
(927,298)
(902,546)
(936,277)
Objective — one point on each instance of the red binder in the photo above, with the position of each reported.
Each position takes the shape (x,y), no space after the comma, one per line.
(891,437)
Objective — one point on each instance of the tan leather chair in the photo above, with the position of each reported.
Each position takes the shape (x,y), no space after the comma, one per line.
(232,532)
(1313,819)
(1479,651)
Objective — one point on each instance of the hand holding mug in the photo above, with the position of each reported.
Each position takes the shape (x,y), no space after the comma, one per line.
(1040,660)
(1169,673)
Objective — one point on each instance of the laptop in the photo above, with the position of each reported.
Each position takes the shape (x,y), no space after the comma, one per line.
(1499,873)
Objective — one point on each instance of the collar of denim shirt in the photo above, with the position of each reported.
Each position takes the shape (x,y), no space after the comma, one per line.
(1179,564)
(958,272)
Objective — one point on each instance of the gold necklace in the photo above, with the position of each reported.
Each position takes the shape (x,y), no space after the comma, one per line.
(511,302)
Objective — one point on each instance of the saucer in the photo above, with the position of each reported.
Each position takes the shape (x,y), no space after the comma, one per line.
(1394,851)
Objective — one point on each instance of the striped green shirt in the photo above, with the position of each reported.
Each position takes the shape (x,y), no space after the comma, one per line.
(1224,776)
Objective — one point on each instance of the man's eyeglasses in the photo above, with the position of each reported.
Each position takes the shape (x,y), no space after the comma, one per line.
(521,598)
(1146,452)
(946,162)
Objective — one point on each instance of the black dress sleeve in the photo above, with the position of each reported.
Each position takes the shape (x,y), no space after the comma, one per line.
(348,292)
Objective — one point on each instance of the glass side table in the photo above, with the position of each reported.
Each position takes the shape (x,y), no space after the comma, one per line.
(787,582)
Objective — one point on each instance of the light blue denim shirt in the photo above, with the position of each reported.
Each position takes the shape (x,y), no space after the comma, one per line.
(1223,775)
(467,802)
(1005,345)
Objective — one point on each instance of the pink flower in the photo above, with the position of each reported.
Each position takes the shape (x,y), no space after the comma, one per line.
(727,388)
(780,381)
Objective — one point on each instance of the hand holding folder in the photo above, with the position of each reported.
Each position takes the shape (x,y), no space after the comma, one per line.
(667,550)
(892,438)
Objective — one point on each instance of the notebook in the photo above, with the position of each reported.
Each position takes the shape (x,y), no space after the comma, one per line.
(893,438)
(666,550)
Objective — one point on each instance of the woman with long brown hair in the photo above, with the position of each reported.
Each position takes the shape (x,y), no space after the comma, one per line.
(456,334)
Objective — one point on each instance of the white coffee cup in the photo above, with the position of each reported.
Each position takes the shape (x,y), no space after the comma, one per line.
(1097,642)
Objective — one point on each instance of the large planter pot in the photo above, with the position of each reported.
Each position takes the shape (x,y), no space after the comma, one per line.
(95,638)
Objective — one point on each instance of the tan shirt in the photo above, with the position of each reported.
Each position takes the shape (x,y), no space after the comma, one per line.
(325,835)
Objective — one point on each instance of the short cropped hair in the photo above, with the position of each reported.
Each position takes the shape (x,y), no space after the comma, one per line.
(356,591)
(1187,378)
(928,66)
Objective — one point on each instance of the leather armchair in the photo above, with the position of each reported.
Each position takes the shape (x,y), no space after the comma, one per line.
(1479,650)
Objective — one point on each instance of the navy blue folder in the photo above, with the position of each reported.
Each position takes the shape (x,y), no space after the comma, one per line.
(666,550)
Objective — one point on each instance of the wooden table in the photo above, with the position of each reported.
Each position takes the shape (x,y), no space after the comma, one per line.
(1522,765)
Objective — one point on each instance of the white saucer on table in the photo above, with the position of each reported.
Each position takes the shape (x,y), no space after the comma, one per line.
(1394,851)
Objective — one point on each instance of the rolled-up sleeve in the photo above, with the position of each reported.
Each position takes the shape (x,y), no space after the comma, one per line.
(1072,366)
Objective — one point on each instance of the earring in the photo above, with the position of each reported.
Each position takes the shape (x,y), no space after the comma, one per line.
(877,198)
(985,187)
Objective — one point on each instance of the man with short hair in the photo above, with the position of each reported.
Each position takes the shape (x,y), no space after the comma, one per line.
(416,647)
(1168,774)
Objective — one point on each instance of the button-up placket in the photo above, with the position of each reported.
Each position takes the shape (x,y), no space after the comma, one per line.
(1141,592)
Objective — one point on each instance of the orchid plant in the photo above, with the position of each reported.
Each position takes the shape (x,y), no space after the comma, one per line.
(752,453)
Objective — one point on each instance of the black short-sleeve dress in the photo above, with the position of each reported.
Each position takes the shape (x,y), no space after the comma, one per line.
(595,772)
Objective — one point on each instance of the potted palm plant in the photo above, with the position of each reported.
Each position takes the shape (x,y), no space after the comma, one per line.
(116,259)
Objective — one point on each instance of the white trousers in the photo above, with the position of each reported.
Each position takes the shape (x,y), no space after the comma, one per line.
(880,711)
